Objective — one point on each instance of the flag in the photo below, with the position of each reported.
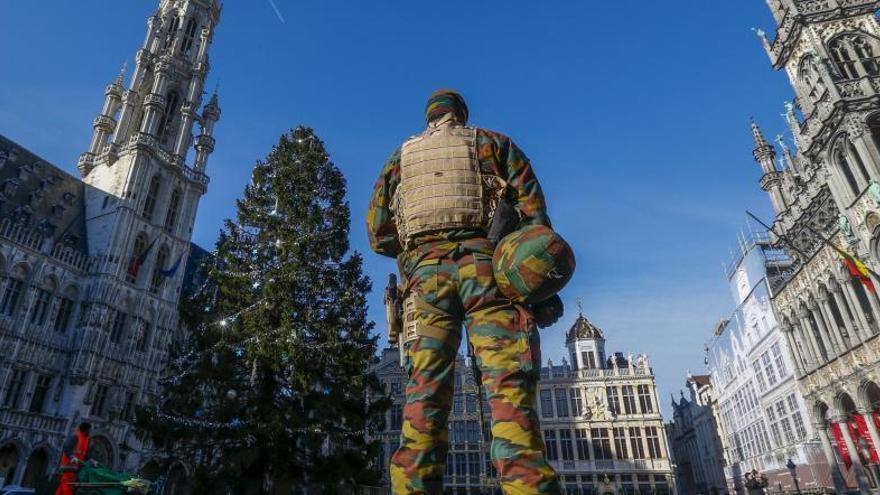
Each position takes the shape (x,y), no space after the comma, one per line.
(173,270)
(857,269)
(135,268)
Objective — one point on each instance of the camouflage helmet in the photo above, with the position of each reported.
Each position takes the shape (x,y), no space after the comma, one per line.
(532,264)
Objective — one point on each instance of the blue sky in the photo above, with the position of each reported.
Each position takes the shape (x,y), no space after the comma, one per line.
(635,118)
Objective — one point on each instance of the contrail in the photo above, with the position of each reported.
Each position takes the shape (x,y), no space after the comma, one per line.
(277,12)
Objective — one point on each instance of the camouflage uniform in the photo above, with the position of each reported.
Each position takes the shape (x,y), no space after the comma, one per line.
(451,275)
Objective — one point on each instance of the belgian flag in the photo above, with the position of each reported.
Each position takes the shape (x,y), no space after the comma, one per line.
(857,269)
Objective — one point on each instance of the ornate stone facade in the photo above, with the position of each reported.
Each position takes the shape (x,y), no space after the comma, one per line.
(91,268)
(830,50)
(696,446)
(600,417)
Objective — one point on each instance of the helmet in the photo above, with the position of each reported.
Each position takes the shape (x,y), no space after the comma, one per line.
(532,264)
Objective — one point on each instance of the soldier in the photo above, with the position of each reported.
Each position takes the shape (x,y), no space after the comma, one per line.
(432,209)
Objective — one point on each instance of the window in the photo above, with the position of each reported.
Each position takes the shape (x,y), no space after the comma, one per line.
(99,401)
(613,401)
(550,445)
(629,400)
(546,403)
(854,56)
(470,403)
(118,327)
(601,443)
(458,404)
(173,211)
(152,195)
(653,442)
(62,316)
(460,464)
(171,34)
(14,389)
(474,463)
(756,367)
(565,443)
(589,359)
(145,335)
(620,443)
(41,389)
(457,429)
(41,307)
(645,401)
(138,253)
(577,403)
(11,295)
(171,102)
(583,443)
(635,441)
(188,36)
(779,360)
(561,403)
(799,428)
(786,430)
(158,268)
(396,417)
(842,162)
(768,369)
(473,432)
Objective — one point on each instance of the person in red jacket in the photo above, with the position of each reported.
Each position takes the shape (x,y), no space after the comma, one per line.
(73,455)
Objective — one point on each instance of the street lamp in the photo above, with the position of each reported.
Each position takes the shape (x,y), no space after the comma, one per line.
(793,470)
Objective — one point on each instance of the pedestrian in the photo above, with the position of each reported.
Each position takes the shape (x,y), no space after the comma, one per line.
(73,455)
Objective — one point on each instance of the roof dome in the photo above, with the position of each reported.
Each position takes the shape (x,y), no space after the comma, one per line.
(583,329)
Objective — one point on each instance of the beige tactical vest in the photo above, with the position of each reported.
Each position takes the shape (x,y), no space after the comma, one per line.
(441,185)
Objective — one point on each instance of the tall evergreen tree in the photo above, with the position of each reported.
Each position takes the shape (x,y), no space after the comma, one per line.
(273,384)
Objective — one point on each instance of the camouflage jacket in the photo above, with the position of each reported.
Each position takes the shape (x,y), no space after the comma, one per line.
(498,155)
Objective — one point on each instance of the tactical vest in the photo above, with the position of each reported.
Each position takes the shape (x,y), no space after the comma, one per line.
(441,184)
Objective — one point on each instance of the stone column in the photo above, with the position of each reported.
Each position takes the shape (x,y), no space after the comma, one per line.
(858,468)
(856,308)
(807,329)
(872,428)
(824,332)
(827,449)
(793,352)
(846,316)
(833,328)
(805,348)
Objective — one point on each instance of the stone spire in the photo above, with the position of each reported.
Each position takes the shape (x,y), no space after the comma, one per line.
(771,181)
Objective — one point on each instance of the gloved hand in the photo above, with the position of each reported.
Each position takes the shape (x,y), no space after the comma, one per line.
(547,312)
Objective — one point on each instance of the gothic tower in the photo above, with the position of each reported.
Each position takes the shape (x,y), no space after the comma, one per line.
(830,51)
(829,192)
(144,174)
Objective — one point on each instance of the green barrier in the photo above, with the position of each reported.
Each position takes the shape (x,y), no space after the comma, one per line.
(98,480)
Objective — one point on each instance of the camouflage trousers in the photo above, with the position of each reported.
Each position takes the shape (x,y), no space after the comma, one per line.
(452,284)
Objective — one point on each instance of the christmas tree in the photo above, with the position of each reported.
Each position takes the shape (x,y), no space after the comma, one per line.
(272,386)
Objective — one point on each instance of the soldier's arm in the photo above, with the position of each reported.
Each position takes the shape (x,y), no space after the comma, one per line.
(523,186)
(69,445)
(380,220)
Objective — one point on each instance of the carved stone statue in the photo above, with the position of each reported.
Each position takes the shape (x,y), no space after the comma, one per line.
(845,227)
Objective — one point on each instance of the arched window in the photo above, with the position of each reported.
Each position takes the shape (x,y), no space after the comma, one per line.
(857,159)
(171,103)
(152,194)
(138,253)
(171,33)
(64,311)
(12,287)
(855,55)
(40,305)
(811,79)
(173,211)
(161,261)
(188,36)
(117,326)
(842,163)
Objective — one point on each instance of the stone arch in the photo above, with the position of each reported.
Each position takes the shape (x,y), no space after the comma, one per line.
(51,283)
(10,457)
(151,470)
(178,480)
(37,466)
(845,404)
(102,449)
(869,395)
(839,156)
(821,412)
(21,270)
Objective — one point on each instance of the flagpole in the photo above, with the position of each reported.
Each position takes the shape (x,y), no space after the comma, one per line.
(820,236)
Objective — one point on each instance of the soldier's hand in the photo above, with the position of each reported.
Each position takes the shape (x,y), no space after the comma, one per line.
(548,312)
